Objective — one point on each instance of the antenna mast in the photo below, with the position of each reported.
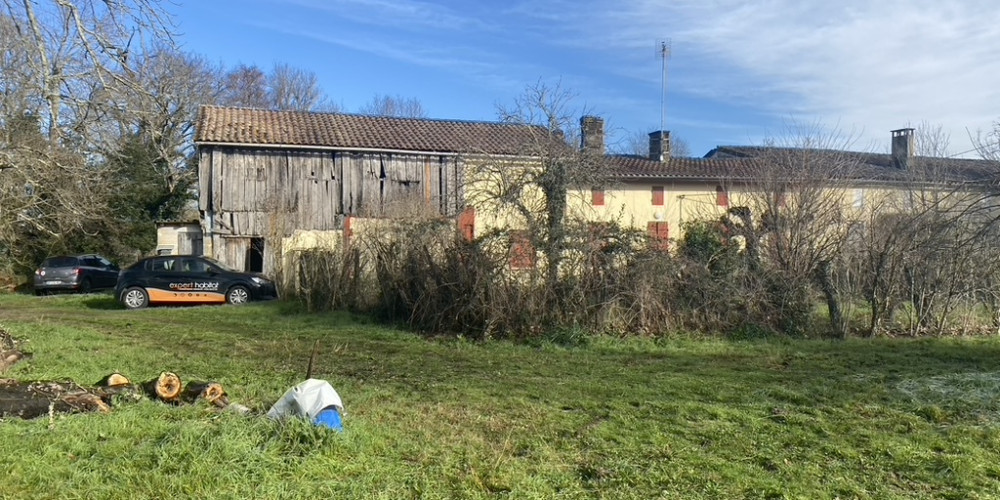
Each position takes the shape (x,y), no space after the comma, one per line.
(664,53)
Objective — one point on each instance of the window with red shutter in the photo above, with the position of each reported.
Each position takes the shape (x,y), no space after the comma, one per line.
(467,224)
(659,234)
(657,196)
(522,252)
(597,197)
(721,197)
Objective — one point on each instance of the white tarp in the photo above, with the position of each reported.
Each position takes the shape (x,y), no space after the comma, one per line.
(306,400)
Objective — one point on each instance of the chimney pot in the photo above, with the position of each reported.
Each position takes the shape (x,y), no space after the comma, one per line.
(903,147)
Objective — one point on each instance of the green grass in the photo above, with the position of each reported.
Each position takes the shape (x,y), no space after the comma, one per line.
(455,419)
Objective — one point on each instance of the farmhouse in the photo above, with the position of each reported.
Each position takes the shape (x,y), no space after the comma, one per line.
(266,174)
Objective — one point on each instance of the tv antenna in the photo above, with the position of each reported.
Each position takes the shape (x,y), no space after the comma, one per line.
(663,52)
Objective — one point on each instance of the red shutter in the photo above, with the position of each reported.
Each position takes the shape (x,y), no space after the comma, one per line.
(721,197)
(658,196)
(597,197)
(522,252)
(659,234)
(467,224)
(780,199)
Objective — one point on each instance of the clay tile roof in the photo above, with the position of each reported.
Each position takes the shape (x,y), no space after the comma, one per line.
(638,167)
(245,126)
(877,166)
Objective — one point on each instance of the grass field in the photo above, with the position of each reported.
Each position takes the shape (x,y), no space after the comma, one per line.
(455,419)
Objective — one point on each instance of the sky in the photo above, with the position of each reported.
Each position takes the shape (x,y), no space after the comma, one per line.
(739,72)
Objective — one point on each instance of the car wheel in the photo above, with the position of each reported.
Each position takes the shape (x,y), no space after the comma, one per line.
(135,298)
(39,293)
(238,295)
(84,286)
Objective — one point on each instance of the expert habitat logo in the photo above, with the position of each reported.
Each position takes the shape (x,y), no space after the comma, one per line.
(195,285)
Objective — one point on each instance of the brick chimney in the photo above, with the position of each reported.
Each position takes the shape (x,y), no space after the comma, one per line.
(903,147)
(659,145)
(592,134)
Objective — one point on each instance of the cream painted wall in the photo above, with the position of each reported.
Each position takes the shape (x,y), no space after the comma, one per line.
(631,204)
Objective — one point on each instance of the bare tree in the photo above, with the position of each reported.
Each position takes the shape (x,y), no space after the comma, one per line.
(295,89)
(65,69)
(932,140)
(385,105)
(163,116)
(637,143)
(69,42)
(285,87)
(795,220)
(534,192)
(246,87)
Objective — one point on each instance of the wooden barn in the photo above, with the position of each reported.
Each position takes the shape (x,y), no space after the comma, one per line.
(267,173)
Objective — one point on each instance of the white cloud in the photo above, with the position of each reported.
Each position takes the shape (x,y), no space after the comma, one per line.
(407,14)
(863,64)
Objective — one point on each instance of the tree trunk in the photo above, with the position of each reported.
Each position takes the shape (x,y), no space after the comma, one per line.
(167,387)
(824,274)
(41,398)
(211,392)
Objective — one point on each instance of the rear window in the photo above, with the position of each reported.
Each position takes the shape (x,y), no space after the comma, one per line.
(59,262)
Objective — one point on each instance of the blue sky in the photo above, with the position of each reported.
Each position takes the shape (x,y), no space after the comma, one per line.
(740,72)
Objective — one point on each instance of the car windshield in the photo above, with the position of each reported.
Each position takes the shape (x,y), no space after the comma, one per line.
(59,262)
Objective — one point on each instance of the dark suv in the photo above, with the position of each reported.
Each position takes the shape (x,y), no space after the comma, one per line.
(78,273)
(187,279)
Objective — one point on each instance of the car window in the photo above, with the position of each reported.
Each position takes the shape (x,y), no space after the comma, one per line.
(91,262)
(105,262)
(217,265)
(165,264)
(193,266)
(59,262)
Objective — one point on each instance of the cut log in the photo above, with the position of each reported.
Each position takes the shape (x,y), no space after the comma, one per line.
(113,380)
(167,387)
(211,392)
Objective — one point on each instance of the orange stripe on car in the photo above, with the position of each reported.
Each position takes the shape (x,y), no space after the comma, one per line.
(156,295)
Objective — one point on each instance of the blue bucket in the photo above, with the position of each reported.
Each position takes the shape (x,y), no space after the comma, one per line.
(329,417)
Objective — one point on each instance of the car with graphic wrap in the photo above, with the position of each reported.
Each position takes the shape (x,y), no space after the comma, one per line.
(188,279)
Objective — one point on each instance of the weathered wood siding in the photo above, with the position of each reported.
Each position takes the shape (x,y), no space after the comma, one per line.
(271,192)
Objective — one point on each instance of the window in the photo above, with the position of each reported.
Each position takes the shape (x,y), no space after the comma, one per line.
(467,224)
(721,197)
(657,196)
(597,197)
(165,264)
(659,234)
(522,252)
(193,266)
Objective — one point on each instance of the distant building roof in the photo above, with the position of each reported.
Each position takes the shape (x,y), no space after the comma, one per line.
(628,167)
(260,127)
(873,166)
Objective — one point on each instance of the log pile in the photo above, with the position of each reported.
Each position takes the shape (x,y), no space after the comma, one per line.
(35,399)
